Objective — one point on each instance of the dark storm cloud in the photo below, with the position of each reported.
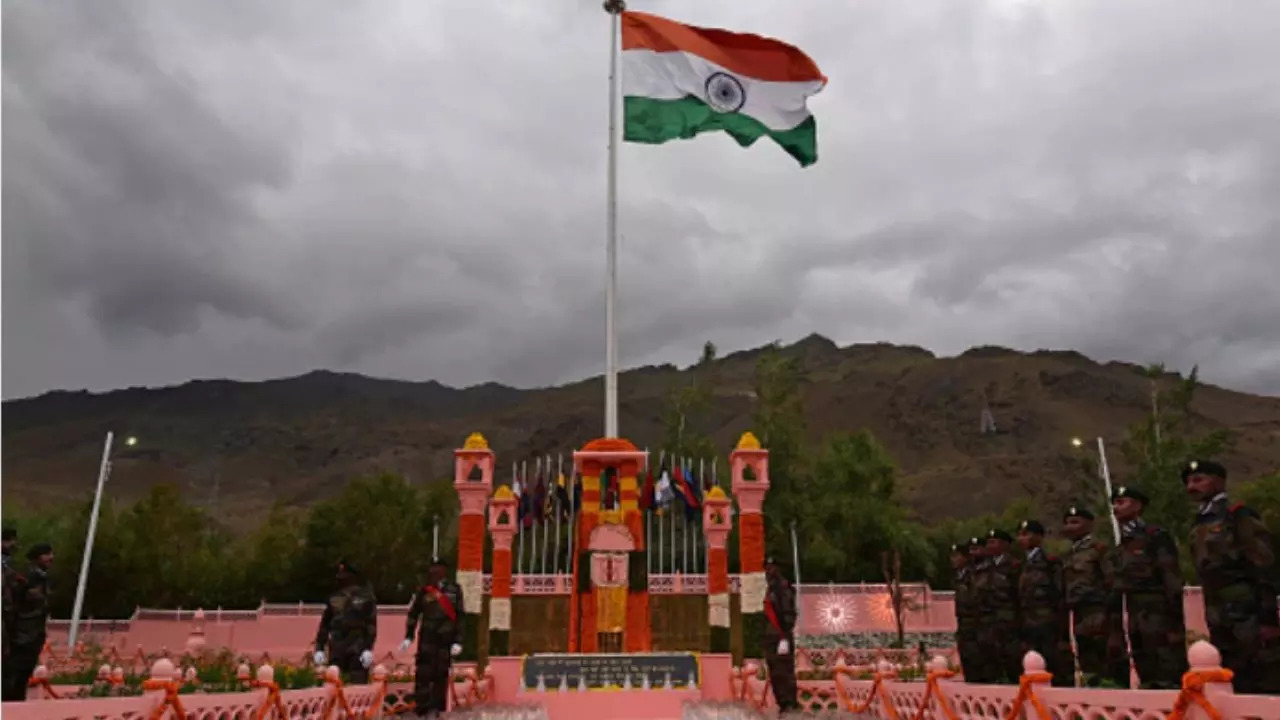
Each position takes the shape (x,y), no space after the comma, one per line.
(417,190)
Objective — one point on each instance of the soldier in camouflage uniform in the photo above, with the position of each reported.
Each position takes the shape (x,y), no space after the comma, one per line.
(996,587)
(1044,610)
(779,636)
(1235,560)
(10,541)
(968,616)
(28,613)
(1148,581)
(349,626)
(976,669)
(1098,626)
(439,606)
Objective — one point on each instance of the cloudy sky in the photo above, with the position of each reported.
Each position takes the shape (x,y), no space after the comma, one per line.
(415,189)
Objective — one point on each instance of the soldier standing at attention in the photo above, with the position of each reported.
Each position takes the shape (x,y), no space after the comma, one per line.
(1235,560)
(968,615)
(997,589)
(978,669)
(10,541)
(349,626)
(28,614)
(779,636)
(439,605)
(1044,611)
(1099,627)
(1149,581)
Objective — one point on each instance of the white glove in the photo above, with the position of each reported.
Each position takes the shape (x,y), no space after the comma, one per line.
(319,657)
(405,645)
(366,659)
(783,647)
(453,651)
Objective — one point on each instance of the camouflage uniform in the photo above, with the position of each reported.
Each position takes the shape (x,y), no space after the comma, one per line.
(348,627)
(440,609)
(780,624)
(1235,561)
(968,619)
(1148,581)
(999,651)
(1099,626)
(1044,614)
(27,614)
(8,604)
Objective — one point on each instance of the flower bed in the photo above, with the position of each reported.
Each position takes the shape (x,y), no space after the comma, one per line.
(876,640)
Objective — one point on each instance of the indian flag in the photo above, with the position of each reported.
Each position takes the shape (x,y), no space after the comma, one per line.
(679,81)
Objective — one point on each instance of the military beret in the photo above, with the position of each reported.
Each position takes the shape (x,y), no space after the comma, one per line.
(962,548)
(1035,527)
(1125,491)
(1000,535)
(1203,467)
(39,549)
(1075,511)
(440,562)
(774,562)
(10,534)
(346,567)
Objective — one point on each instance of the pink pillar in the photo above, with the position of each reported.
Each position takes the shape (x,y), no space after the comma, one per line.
(716,525)
(473,479)
(749,466)
(502,528)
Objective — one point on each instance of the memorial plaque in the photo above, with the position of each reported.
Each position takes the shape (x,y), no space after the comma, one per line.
(611,671)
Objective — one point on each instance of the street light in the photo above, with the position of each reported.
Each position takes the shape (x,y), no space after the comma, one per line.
(1106,479)
(104,469)
(1115,528)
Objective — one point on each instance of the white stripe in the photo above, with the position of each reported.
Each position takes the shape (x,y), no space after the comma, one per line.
(674,75)
(500,613)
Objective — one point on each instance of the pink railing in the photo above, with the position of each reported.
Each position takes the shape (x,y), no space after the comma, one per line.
(274,631)
(876,691)
(261,696)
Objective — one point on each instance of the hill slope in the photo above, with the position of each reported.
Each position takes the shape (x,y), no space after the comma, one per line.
(237,447)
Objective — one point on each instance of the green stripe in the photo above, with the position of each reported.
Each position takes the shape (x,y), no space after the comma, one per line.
(654,122)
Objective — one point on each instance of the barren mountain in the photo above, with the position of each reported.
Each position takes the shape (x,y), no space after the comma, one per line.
(237,447)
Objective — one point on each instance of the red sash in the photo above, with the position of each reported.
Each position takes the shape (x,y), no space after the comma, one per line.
(445,603)
(772,616)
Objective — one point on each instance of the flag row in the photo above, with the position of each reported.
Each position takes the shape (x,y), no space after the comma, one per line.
(548,493)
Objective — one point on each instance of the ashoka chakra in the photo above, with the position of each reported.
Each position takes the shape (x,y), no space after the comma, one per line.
(724,93)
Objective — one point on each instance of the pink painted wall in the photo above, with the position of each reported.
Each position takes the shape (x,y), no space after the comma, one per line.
(288,630)
(866,608)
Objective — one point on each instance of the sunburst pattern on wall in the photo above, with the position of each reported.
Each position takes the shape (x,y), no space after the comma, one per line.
(836,613)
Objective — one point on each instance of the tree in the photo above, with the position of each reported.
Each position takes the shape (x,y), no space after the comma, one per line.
(685,421)
(1157,448)
(1263,497)
(848,512)
(942,535)
(899,601)
(780,426)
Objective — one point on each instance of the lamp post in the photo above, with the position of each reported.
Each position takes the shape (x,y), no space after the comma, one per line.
(1115,528)
(104,469)
(1105,473)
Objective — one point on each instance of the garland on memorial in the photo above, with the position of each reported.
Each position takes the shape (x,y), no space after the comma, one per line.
(751,560)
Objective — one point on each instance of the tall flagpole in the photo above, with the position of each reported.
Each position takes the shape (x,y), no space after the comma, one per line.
(614,8)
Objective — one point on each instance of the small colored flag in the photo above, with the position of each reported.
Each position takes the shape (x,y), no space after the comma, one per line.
(647,498)
(540,499)
(663,494)
(562,496)
(684,490)
(524,509)
(679,81)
